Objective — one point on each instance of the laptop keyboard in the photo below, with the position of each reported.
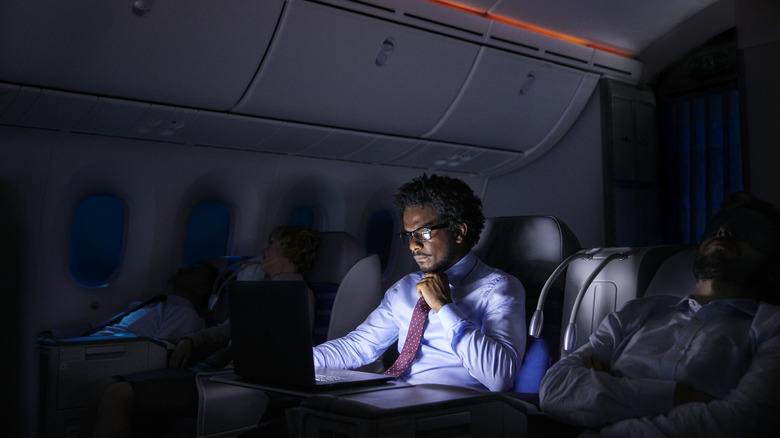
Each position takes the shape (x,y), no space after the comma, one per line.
(327,378)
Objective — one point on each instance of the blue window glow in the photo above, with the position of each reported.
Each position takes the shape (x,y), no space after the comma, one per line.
(96,240)
(207,233)
(304,215)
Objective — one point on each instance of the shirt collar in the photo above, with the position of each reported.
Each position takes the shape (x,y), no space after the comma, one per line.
(744,305)
(460,270)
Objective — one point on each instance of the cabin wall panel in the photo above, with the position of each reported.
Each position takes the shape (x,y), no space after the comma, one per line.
(22,197)
(566,182)
(758,36)
(50,172)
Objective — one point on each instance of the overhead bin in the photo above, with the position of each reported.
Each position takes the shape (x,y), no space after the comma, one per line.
(197,53)
(514,102)
(333,67)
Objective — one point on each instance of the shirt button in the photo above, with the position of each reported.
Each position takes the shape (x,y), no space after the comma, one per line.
(678,347)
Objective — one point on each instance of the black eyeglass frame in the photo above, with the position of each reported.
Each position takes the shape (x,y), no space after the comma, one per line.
(406,236)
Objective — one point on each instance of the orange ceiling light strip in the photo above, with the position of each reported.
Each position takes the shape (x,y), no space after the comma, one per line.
(536,29)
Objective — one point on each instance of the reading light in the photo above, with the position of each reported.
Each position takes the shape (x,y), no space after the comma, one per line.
(537,320)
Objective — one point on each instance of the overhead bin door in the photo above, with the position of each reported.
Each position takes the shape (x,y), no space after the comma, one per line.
(189,53)
(342,69)
(516,103)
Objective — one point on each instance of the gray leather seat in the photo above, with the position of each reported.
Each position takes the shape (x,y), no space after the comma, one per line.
(530,248)
(346,282)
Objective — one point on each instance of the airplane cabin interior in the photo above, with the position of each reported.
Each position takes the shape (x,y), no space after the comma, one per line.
(140,136)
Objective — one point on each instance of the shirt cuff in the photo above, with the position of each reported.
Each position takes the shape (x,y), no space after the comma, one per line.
(452,319)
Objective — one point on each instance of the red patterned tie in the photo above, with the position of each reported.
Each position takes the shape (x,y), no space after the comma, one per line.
(413,338)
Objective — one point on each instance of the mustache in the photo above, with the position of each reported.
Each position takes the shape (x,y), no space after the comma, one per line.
(724,241)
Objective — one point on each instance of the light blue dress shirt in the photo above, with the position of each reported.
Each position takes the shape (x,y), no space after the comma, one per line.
(477,341)
(729,349)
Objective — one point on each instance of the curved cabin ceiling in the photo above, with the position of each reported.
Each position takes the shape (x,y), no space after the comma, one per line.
(626,26)
(475,86)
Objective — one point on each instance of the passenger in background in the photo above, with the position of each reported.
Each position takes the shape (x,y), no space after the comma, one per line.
(144,404)
(475,334)
(290,252)
(706,365)
(165,317)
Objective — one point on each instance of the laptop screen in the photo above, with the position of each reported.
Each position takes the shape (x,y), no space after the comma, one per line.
(270,331)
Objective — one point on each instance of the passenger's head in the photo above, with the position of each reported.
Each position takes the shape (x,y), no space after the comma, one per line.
(741,244)
(445,216)
(194,282)
(290,249)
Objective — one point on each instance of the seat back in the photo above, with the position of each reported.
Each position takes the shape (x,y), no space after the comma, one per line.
(531,248)
(346,284)
(675,275)
(358,295)
(633,273)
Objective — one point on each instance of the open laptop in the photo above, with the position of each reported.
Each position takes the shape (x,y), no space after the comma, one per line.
(272,338)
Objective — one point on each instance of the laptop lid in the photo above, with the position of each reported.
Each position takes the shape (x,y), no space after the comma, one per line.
(272,337)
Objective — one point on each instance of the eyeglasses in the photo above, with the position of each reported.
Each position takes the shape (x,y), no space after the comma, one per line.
(421,235)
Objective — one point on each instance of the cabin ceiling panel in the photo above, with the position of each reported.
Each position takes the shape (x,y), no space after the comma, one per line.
(337,68)
(111,117)
(8,94)
(199,53)
(629,25)
(338,144)
(385,149)
(456,158)
(293,138)
(238,132)
(58,110)
(15,101)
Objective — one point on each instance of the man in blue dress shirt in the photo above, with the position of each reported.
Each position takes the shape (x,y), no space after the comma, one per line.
(706,365)
(476,329)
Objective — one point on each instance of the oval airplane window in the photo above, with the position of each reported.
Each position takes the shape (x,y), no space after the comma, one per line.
(96,240)
(379,236)
(304,215)
(207,232)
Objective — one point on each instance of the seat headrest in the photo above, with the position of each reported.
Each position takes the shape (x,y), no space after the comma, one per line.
(336,254)
(528,247)
(675,275)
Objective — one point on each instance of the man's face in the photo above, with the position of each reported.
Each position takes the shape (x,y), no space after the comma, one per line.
(736,247)
(437,254)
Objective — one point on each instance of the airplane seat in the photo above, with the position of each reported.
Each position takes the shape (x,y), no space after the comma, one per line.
(229,267)
(346,283)
(606,278)
(675,275)
(531,248)
(347,286)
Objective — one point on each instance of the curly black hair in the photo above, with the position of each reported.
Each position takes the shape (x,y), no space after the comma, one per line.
(452,199)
